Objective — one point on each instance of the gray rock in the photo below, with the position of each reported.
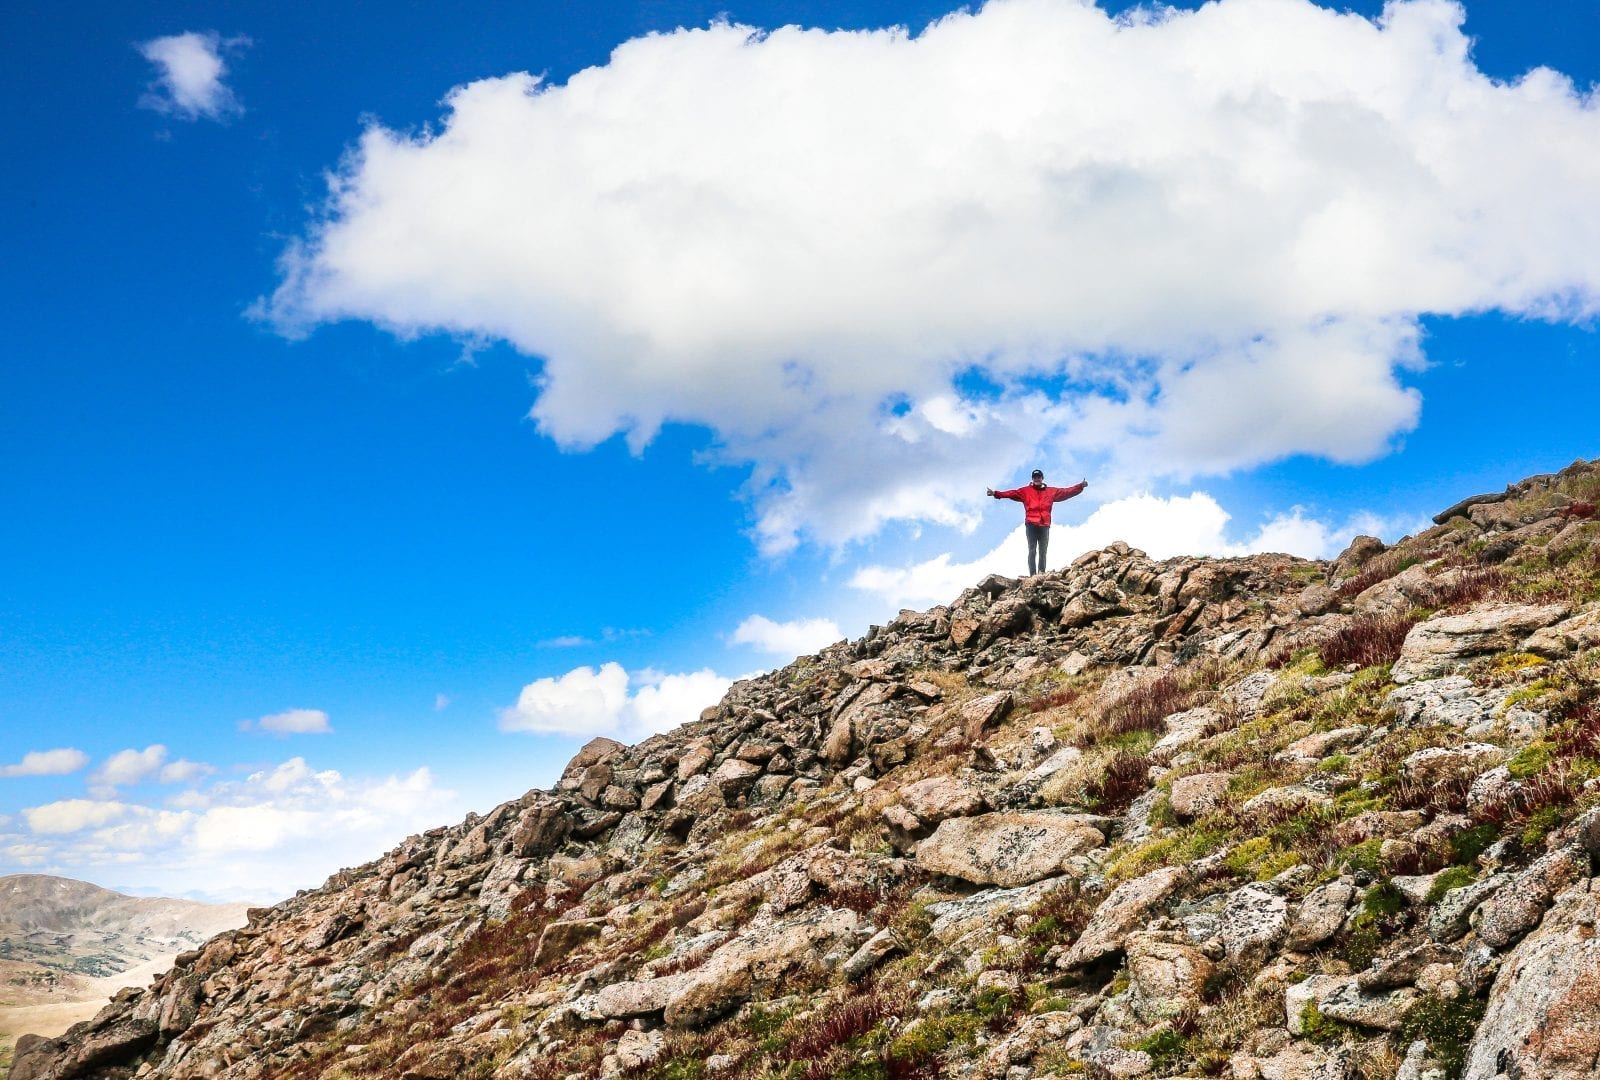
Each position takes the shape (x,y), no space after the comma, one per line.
(1320,915)
(1007,849)
(1122,912)
(1452,915)
(940,797)
(1253,920)
(1434,647)
(1513,911)
(952,919)
(1165,975)
(1199,793)
(878,948)
(1382,1010)
(1540,1023)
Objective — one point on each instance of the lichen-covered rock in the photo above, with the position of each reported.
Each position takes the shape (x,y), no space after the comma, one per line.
(1543,1017)
(1434,647)
(1198,794)
(1122,912)
(1006,849)
(1165,975)
(1253,921)
(1320,915)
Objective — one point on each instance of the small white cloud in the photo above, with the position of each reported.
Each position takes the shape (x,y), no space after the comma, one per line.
(565,641)
(183,770)
(586,701)
(47,763)
(441,702)
(795,638)
(189,73)
(128,767)
(72,815)
(291,722)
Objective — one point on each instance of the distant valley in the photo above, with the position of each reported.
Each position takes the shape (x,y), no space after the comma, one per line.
(66,946)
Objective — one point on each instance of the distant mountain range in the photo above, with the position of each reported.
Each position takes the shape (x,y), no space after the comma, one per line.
(66,946)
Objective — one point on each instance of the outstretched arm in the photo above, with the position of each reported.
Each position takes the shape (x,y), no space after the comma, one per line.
(1015,494)
(1069,492)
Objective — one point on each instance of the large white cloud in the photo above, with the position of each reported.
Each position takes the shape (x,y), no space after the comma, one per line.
(1193,524)
(128,767)
(47,763)
(787,639)
(189,73)
(590,701)
(1169,244)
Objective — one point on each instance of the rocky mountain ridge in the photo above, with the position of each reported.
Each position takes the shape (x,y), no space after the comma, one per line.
(1256,818)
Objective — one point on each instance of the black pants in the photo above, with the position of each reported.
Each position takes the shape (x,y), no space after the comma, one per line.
(1038,544)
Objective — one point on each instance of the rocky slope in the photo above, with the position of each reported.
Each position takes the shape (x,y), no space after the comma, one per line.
(1255,818)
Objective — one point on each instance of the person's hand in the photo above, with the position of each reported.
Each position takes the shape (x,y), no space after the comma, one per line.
(1084,482)
(989,492)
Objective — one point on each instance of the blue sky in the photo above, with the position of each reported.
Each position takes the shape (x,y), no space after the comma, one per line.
(377,423)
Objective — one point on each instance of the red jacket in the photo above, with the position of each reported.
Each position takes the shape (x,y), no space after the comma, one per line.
(1039,500)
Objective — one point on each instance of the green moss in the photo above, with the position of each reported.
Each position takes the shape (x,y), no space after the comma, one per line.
(1447,1026)
(1363,858)
(934,1035)
(1322,1029)
(1456,877)
(1531,760)
(1382,901)
(1543,822)
(1467,845)
(1166,1047)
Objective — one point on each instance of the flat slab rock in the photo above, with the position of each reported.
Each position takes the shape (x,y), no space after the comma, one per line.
(1007,849)
(1436,646)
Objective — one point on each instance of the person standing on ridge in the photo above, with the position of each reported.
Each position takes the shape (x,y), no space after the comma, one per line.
(1037,501)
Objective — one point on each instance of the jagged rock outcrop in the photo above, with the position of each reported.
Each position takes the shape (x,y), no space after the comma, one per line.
(1256,817)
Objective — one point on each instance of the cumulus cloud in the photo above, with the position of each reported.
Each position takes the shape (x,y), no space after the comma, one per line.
(184,770)
(276,829)
(189,71)
(1193,524)
(72,815)
(128,767)
(608,701)
(884,267)
(291,722)
(794,638)
(47,763)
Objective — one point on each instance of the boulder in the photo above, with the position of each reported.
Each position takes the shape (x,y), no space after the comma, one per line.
(1320,915)
(1199,793)
(940,797)
(1512,912)
(1438,763)
(758,961)
(1122,912)
(1183,730)
(1254,918)
(1568,637)
(560,938)
(1006,849)
(734,777)
(979,714)
(1543,1016)
(1436,646)
(952,919)
(1165,975)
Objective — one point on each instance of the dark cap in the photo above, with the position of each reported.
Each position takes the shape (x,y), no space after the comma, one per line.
(1038,474)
